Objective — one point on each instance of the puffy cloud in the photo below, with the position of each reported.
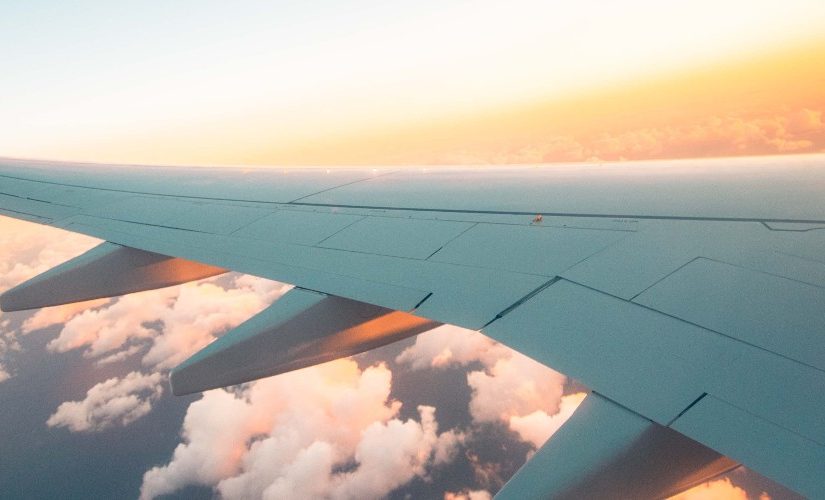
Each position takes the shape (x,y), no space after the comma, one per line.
(28,249)
(510,385)
(392,453)
(538,426)
(200,312)
(117,401)
(326,431)
(713,490)
(109,328)
(451,345)
(8,342)
(468,495)
(512,388)
(175,322)
(57,315)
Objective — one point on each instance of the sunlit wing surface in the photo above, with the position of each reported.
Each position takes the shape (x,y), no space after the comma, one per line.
(688,295)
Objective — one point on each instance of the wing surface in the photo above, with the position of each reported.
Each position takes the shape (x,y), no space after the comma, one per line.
(691,294)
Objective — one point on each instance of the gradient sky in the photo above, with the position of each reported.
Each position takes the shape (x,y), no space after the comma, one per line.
(326,83)
(367,82)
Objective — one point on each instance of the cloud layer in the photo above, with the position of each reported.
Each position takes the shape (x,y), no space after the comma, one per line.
(117,401)
(801,130)
(511,389)
(326,431)
(173,323)
(28,250)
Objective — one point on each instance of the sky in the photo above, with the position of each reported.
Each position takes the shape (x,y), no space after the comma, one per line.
(368,82)
(334,83)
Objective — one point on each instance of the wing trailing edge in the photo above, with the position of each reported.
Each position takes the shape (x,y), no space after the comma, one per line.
(301,329)
(607,451)
(107,270)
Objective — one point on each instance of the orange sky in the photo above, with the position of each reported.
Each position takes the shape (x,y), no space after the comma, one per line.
(765,104)
(429,82)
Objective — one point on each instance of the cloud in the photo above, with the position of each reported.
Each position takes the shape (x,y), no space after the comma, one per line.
(800,130)
(117,401)
(537,427)
(174,322)
(712,490)
(510,384)
(326,431)
(57,315)
(514,386)
(468,495)
(29,249)
(451,345)
(109,328)
(511,389)
(171,324)
(8,343)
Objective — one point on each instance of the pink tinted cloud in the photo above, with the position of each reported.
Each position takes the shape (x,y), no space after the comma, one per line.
(174,322)
(468,495)
(28,250)
(715,490)
(116,401)
(788,131)
(537,427)
(512,388)
(285,437)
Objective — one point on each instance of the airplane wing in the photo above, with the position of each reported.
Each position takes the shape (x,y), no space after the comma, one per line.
(688,295)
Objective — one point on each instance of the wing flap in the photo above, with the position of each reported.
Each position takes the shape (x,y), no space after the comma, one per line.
(612,346)
(300,329)
(606,451)
(766,447)
(107,270)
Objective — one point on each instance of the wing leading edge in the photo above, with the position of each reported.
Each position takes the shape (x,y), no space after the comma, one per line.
(660,286)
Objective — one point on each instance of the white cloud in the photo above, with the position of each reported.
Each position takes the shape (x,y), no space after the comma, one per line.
(8,343)
(57,315)
(537,427)
(515,385)
(512,388)
(451,345)
(113,402)
(175,322)
(29,249)
(713,490)
(200,312)
(468,495)
(326,431)
(109,328)
(391,453)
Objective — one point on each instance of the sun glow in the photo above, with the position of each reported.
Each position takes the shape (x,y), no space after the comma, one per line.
(365,82)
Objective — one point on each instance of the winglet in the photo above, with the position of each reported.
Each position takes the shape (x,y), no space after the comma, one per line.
(607,451)
(107,270)
(303,328)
